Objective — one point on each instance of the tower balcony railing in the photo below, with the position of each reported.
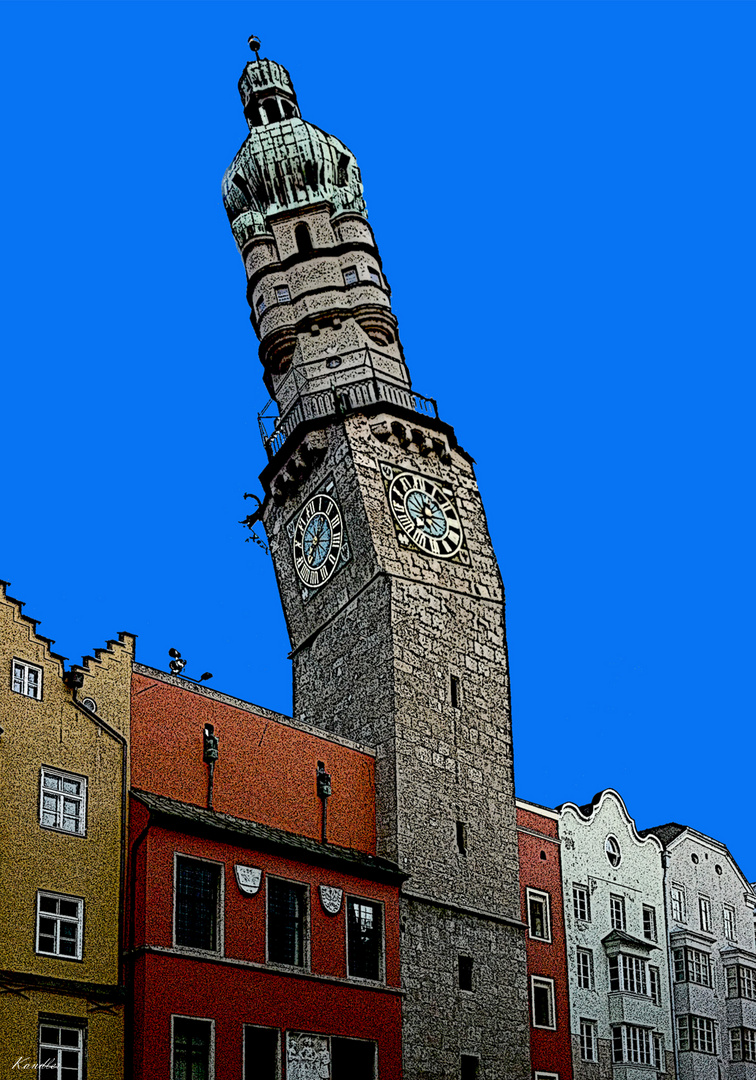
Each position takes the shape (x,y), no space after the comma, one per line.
(312,398)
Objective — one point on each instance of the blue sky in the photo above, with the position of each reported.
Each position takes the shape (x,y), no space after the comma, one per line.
(562,195)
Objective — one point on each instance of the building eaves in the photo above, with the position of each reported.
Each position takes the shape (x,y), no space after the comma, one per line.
(185,817)
(621,937)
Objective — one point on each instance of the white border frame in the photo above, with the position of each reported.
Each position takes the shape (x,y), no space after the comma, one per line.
(27,664)
(543,979)
(539,894)
(381,980)
(211,1055)
(220,948)
(45,914)
(53,770)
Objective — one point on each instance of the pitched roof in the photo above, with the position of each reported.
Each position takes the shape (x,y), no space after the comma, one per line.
(196,819)
(666,833)
(621,937)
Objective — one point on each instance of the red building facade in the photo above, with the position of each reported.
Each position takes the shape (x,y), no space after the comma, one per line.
(543,911)
(263,932)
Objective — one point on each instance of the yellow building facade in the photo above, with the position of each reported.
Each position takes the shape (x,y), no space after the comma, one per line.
(64,783)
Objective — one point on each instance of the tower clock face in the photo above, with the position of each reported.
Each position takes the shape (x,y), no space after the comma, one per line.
(425,514)
(317,541)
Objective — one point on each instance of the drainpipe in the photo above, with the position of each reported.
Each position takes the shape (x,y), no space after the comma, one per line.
(130,1014)
(324,791)
(670,968)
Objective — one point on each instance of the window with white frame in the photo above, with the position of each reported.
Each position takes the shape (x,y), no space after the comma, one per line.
(27,679)
(677,897)
(350,275)
(585,969)
(617,912)
(741,982)
(728,914)
(63,801)
(364,939)
(197,904)
(632,1045)
(588,1041)
(743,1044)
(612,850)
(262,1053)
(546,1076)
(649,922)
(192,1049)
(375,277)
(692,965)
(704,913)
(60,925)
(542,999)
(581,903)
(61,1048)
(627,973)
(261,305)
(654,984)
(659,1053)
(697,1033)
(283,296)
(539,915)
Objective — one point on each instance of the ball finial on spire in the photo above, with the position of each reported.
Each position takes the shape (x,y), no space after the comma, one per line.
(254,44)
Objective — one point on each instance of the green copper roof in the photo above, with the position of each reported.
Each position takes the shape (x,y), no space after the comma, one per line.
(285,164)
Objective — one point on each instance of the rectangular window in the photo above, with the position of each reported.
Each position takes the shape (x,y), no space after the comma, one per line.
(261,305)
(659,1053)
(748,1038)
(542,994)
(192,1047)
(468,1069)
(60,925)
(677,895)
(703,1035)
(375,277)
(581,904)
(729,921)
(654,986)
(454,691)
(283,295)
(364,939)
(539,915)
(262,1053)
(350,276)
(27,679)
(461,837)
(741,981)
(697,1033)
(588,1047)
(617,911)
(649,922)
(704,913)
(627,973)
(63,801)
(692,965)
(736,1044)
(197,910)
(585,969)
(465,972)
(633,1045)
(351,1059)
(287,914)
(61,1050)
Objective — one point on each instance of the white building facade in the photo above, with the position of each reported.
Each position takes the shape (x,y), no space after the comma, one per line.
(710,908)
(619,977)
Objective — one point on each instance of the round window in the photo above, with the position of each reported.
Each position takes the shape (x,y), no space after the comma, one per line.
(612,849)
(718,868)
(694,858)
(89,703)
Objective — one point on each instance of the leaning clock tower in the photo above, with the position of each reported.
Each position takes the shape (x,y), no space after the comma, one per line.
(390,586)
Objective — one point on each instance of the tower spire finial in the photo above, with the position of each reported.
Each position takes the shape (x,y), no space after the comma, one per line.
(254,44)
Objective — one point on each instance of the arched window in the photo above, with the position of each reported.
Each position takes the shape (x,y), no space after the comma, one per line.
(303,239)
(287,108)
(272,110)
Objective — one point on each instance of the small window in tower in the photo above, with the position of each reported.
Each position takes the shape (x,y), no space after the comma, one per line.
(342,171)
(282,294)
(375,277)
(261,305)
(465,971)
(272,111)
(302,239)
(461,838)
(350,276)
(454,694)
(287,108)
(469,1067)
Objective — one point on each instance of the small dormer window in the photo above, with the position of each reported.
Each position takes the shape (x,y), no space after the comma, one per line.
(350,276)
(261,305)
(375,277)
(282,294)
